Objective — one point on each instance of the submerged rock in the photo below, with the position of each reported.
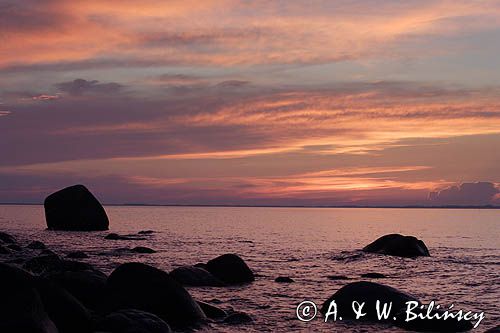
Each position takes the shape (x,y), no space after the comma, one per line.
(143,287)
(238,318)
(21,308)
(211,311)
(284,279)
(146,232)
(114,236)
(74,208)
(142,249)
(195,277)
(398,245)
(373,275)
(231,269)
(36,245)
(133,321)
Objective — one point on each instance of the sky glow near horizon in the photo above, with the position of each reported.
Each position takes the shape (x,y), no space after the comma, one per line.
(251,102)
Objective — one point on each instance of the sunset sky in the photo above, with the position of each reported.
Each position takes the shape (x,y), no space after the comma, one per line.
(349,102)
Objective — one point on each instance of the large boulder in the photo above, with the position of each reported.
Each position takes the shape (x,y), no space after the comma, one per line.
(74,208)
(88,286)
(133,321)
(21,308)
(231,269)
(67,313)
(143,287)
(398,245)
(195,277)
(370,292)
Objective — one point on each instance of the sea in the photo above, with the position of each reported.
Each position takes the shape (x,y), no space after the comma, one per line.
(305,244)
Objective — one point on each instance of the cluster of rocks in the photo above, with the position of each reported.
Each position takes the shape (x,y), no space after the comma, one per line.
(43,292)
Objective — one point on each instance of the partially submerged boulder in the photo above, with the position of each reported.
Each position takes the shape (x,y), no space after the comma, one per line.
(369,293)
(195,277)
(231,269)
(133,321)
(74,208)
(211,311)
(398,245)
(143,287)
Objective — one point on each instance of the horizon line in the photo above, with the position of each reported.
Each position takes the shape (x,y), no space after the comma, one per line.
(275,206)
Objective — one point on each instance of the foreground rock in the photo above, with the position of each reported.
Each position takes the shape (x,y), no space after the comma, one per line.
(21,308)
(231,269)
(195,277)
(88,286)
(146,288)
(133,321)
(398,245)
(74,208)
(370,292)
(50,263)
(211,311)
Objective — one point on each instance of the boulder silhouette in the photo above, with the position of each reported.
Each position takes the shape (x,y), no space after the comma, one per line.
(398,245)
(133,321)
(74,208)
(211,311)
(67,313)
(6,238)
(195,276)
(231,269)
(370,292)
(143,287)
(21,308)
(88,286)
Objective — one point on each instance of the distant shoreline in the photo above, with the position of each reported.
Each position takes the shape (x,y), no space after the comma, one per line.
(267,206)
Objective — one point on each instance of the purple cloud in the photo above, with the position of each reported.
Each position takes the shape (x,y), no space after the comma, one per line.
(480,193)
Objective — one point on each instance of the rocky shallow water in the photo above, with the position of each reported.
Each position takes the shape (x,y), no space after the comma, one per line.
(307,245)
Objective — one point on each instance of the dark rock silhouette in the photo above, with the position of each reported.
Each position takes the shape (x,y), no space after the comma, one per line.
(211,311)
(88,286)
(36,245)
(146,232)
(231,269)
(370,292)
(495,329)
(143,287)
(398,245)
(373,275)
(53,263)
(142,249)
(114,236)
(238,318)
(195,276)
(6,238)
(67,313)
(21,308)
(133,321)
(284,279)
(77,255)
(74,208)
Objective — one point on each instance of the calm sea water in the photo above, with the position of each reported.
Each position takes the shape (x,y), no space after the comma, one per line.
(307,244)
